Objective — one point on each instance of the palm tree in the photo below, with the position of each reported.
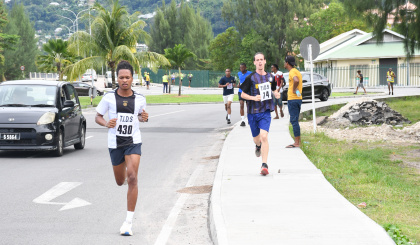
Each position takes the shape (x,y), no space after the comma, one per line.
(114,38)
(177,56)
(56,58)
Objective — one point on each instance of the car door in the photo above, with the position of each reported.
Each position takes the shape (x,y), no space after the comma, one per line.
(318,85)
(75,113)
(84,89)
(306,85)
(65,114)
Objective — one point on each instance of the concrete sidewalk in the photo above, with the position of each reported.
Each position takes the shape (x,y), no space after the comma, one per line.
(294,204)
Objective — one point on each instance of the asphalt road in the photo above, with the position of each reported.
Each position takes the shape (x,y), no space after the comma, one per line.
(178,142)
(181,144)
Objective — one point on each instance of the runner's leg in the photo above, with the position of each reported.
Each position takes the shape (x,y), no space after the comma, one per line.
(120,173)
(264,145)
(133,162)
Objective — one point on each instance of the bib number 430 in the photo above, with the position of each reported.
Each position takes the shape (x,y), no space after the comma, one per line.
(125,124)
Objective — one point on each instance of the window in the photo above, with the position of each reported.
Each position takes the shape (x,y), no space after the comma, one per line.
(306,77)
(70,93)
(28,95)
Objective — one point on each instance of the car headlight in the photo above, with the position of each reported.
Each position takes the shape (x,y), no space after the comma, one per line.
(47,118)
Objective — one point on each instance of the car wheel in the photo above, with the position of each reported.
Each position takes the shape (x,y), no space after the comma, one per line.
(98,93)
(81,144)
(60,145)
(324,95)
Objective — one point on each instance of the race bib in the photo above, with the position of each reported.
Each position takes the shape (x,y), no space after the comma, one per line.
(265,91)
(230,86)
(125,124)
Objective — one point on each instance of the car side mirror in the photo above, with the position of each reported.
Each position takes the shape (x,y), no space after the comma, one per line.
(305,81)
(68,103)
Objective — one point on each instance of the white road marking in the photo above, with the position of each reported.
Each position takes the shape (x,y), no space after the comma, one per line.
(173,215)
(88,137)
(58,190)
(166,113)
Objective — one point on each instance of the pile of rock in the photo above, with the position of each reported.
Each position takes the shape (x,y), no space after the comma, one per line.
(373,112)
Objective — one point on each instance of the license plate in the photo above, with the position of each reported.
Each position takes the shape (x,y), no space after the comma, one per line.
(10,136)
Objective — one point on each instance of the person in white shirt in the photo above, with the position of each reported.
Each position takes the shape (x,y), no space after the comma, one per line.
(278,76)
(125,109)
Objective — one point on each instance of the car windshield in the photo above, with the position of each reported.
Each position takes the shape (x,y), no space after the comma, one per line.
(27,95)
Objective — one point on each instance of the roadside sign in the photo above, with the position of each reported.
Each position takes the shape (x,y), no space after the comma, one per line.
(22,68)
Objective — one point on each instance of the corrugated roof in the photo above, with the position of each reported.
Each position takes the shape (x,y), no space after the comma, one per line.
(356,48)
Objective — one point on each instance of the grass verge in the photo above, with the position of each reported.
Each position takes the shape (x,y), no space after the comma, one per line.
(366,172)
(85,101)
(407,106)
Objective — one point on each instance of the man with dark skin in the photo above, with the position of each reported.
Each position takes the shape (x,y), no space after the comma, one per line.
(242,74)
(294,97)
(227,83)
(126,109)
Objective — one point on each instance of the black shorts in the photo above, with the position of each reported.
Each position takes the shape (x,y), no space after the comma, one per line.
(117,155)
(240,97)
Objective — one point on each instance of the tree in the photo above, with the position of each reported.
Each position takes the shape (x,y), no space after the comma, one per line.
(114,38)
(276,21)
(330,22)
(405,19)
(182,25)
(178,55)
(26,48)
(225,49)
(56,57)
(7,41)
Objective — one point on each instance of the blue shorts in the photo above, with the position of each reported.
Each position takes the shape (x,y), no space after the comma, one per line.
(118,154)
(259,121)
(239,96)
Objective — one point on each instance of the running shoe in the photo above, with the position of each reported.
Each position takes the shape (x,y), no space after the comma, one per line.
(125,229)
(243,124)
(257,150)
(264,169)
(228,121)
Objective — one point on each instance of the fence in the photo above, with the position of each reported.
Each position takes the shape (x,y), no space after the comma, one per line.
(202,78)
(374,75)
(43,76)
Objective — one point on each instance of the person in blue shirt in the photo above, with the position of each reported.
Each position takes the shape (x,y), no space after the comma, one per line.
(228,84)
(242,74)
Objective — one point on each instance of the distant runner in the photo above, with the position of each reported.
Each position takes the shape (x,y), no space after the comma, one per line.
(242,75)
(390,76)
(126,109)
(257,91)
(190,76)
(360,76)
(227,83)
(278,75)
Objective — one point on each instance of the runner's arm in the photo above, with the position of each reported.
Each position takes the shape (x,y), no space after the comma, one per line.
(246,90)
(295,84)
(99,119)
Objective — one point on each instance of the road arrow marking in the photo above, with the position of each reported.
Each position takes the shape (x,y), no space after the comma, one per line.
(59,190)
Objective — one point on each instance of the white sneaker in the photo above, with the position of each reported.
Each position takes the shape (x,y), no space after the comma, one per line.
(125,229)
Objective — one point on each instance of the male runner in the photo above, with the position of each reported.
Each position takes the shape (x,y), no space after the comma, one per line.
(227,83)
(294,97)
(125,109)
(242,75)
(360,76)
(278,76)
(190,76)
(390,76)
(256,90)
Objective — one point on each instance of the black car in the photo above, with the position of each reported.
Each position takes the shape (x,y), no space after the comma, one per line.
(322,86)
(40,115)
(83,89)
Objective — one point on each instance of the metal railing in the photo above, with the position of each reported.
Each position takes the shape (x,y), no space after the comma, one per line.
(374,75)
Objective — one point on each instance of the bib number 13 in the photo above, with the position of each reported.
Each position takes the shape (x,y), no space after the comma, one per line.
(125,123)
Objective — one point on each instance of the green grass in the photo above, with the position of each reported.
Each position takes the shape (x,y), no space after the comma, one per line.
(407,106)
(340,94)
(189,98)
(365,172)
(85,101)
